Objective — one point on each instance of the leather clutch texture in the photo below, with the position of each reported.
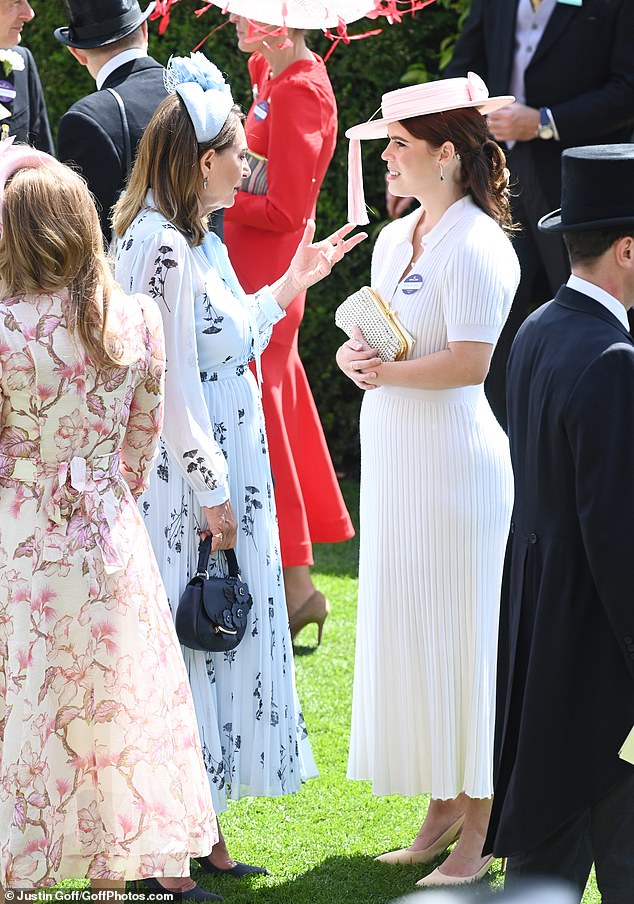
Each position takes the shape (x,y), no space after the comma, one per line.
(378,323)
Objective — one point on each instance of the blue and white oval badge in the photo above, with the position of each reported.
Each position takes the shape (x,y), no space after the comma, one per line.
(261,110)
(412,284)
(7,92)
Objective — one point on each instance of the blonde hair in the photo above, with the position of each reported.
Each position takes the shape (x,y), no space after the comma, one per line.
(51,240)
(167,163)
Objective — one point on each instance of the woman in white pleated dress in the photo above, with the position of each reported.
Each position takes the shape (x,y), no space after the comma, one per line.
(213,473)
(436,482)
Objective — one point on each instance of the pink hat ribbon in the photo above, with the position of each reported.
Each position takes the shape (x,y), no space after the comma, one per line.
(14,157)
(431,97)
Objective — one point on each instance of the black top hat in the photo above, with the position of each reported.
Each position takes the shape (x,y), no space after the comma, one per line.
(96,23)
(597,189)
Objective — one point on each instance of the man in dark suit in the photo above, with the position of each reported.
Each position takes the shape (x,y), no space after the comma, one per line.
(571,67)
(22,107)
(110,38)
(563,797)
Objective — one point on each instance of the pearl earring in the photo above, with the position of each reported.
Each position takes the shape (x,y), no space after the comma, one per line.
(205,183)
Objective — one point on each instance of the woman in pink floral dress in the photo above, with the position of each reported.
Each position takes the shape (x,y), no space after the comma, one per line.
(101,772)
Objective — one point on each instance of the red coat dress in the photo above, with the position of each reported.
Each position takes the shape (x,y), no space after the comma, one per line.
(293,124)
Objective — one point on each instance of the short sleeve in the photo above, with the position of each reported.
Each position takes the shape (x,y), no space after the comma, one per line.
(479,284)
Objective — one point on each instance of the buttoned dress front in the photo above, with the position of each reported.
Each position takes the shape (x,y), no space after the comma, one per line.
(436,495)
(252,729)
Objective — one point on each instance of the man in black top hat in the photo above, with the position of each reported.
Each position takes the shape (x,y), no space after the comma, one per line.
(22,108)
(110,38)
(563,797)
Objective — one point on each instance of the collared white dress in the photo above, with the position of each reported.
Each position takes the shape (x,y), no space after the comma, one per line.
(253,734)
(436,496)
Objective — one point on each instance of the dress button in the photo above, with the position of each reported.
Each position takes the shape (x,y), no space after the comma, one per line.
(629,640)
(631,647)
(532,538)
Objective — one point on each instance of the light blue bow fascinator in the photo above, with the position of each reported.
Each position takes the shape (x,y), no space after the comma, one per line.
(204,91)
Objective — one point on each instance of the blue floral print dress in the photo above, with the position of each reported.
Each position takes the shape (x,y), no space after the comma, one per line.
(214,447)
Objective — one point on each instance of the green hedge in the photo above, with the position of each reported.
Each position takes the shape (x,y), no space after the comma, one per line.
(415,50)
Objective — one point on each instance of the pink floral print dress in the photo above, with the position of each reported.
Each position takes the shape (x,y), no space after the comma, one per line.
(101,772)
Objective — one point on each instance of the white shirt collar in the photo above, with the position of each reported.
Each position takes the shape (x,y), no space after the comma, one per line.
(405,226)
(134,53)
(608,301)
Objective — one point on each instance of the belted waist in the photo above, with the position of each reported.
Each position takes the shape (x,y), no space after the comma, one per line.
(82,485)
(31,470)
(223,373)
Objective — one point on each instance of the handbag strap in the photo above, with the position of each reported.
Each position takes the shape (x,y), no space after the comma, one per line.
(127,149)
(204,551)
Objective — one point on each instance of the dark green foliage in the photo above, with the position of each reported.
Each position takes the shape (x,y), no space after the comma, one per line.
(414,50)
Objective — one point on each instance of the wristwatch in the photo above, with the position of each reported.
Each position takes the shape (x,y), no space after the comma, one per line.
(545,127)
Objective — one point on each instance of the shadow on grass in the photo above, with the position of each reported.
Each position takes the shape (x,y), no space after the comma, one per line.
(337,880)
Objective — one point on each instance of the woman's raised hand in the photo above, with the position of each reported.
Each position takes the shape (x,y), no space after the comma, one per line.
(358,361)
(314,260)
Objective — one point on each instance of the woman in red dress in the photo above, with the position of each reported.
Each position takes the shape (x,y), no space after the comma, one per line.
(291,130)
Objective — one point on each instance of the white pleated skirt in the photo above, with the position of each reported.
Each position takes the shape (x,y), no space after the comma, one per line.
(436,498)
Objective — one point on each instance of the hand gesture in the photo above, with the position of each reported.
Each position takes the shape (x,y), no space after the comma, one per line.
(222,525)
(358,361)
(311,262)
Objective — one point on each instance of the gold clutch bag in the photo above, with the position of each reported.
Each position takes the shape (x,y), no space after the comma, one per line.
(378,323)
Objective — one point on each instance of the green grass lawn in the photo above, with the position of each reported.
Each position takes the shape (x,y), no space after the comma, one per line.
(319,844)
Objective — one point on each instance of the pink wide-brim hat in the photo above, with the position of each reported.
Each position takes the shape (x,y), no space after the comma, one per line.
(308,14)
(405,103)
(14,157)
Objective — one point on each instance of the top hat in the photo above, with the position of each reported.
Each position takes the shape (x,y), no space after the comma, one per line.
(597,189)
(97,23)
(308,14)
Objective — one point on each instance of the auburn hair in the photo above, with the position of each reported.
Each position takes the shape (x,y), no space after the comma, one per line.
(482,162)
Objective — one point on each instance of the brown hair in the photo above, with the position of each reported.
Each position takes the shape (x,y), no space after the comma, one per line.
(51,240)
(588,246)
(483,164)
(167,163)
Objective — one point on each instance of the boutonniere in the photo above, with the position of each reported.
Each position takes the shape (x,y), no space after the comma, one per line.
(11,60)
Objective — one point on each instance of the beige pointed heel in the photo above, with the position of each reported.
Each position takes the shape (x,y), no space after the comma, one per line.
(436,879)
(313,611)
(405,856)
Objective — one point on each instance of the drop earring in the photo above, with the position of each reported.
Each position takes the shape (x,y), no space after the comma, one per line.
(442,173)
(205,183)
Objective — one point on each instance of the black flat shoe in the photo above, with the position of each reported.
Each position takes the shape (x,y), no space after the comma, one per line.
(238,870)
(193,894)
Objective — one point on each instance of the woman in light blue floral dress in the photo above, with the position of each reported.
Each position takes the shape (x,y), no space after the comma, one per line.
(213,473)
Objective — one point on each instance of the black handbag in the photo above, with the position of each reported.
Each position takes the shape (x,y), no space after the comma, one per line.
(212,612)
